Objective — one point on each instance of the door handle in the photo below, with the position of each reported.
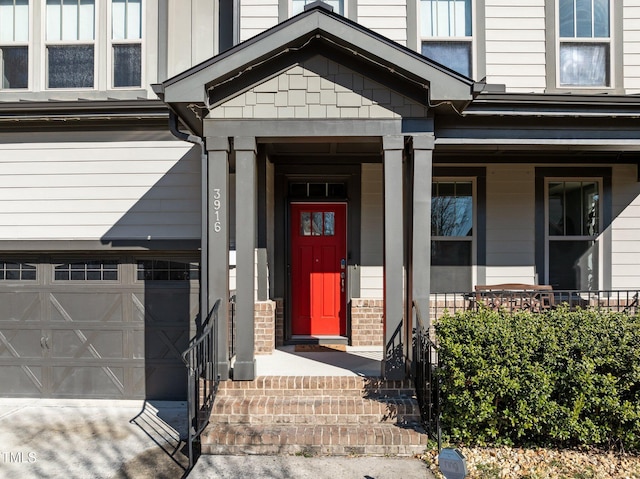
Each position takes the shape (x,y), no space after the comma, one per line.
(44,342)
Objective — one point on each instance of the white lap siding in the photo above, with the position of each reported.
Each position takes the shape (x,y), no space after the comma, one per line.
(625,229)
(387,17)
(631,54)
(371,271)
(99,191)
(515,44)
(510,224)
(257,16)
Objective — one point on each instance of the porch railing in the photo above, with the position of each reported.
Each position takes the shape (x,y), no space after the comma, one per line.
(200,359)
(533,300)
(425,377)
(232,326)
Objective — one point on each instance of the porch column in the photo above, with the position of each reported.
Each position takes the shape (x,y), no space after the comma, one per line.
(216,199)
(246,209)
(421,238)
(393,363)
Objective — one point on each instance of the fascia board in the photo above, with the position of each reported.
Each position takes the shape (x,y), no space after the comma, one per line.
(192,88)
(443,86)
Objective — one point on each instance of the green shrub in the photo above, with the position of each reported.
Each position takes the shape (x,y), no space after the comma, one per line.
(560,378)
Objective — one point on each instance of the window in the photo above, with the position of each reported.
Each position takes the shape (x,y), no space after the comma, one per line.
(318,190)
(584,43)
(17,271)
(452,219)
(14,44)
(573,225)
(70,49)
(167,270)
(95,270)
(298,5)
(317,223)
(446,32)
(126,43)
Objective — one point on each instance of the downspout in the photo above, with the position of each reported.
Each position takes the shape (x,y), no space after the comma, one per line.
(204,256)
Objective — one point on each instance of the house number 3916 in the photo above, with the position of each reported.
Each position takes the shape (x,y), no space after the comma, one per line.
(217,225)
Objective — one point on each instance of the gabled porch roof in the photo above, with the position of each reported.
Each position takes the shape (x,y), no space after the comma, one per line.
(316,31)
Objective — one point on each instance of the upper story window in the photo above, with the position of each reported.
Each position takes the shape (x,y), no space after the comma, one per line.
(126,43)
(446,33)
(70,43)
(14,44)
(584,43)
(298,5)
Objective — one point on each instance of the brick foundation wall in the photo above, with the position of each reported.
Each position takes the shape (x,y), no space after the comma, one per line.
(366,322)
(264,326)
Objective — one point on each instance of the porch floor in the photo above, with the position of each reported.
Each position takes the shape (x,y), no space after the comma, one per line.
(356,361)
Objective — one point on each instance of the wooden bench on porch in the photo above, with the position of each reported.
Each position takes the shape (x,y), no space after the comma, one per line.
(515,296)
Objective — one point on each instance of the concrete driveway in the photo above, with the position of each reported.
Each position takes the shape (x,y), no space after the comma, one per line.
(53,438)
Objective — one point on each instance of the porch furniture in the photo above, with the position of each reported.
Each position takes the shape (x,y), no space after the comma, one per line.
(515,296)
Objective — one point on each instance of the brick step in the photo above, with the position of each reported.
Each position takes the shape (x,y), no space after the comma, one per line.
(385,439)
(325,386)
(314,410)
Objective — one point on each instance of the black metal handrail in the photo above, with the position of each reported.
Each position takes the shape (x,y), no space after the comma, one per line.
(200,359)
(232,326)
(425,377)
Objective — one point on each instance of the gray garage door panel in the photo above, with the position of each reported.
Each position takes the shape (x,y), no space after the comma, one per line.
(120,340)
(24,380)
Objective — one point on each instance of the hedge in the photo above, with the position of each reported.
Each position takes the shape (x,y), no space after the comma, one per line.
(561,378)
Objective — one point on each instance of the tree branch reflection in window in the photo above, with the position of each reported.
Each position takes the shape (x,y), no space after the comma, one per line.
(452,209)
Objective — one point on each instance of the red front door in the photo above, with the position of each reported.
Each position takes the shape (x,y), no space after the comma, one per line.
(318,268)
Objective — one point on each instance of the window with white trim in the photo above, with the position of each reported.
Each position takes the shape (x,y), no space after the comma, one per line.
(297,6)
(573,226)
(70,43)
(446,33)
(126,43)
(452,235)
(584,45)
(14,44)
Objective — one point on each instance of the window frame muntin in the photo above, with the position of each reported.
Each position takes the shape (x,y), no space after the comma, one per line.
(605,174)
(28,44)
(22,260)
(464,178)
(111,42)
(59,261)
(472,40)
(136,259)
(616,67)
(44,62)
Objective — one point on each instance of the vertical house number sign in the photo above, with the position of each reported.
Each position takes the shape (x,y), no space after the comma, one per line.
(217,225)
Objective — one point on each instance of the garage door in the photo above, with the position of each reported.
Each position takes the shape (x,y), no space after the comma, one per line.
(96,328)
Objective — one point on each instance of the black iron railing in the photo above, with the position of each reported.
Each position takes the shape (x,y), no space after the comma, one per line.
(533,300)
(425,377)
(232,326)
(200,359)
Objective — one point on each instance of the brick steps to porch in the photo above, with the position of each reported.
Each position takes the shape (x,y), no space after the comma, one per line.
(317,415)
